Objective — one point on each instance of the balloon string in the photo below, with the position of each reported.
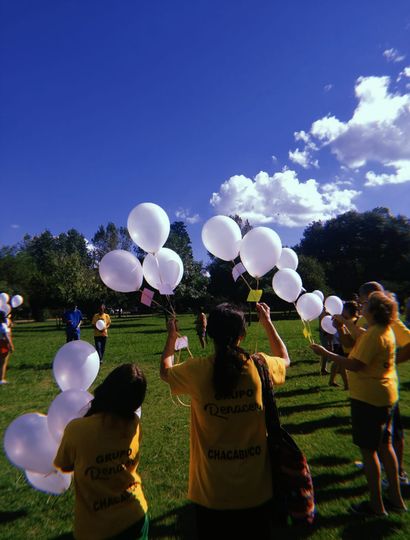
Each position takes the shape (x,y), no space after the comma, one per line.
(162,307)
(178,399)
(312,341)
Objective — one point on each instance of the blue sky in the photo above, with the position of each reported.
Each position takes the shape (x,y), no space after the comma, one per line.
(282,112)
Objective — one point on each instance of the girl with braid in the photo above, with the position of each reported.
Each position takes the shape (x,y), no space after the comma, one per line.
(229,473)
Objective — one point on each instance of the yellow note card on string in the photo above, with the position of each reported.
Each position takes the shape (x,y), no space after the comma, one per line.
(254,295)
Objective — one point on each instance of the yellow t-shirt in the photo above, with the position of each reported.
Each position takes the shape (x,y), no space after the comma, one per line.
(376,384)
(401,333)
(229,461)
(107,320)
(103,451)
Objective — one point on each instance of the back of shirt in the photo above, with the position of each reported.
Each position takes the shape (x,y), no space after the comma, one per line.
(103,450)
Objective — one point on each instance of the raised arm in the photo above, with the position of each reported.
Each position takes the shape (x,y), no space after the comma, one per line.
(167,358)
(277,346)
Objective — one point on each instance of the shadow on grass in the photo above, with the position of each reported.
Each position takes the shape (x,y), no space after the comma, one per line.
(7,517)
(41,328)
(340,493)
(326,479)
(35,367)
(298,392)
(329,461)
(178,523)
(64,536)
(371,528)
(320,423)
(344,431)
(291,409)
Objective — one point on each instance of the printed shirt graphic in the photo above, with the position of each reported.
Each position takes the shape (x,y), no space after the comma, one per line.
(103,451)
(376,384)
(229,462)
(101,317)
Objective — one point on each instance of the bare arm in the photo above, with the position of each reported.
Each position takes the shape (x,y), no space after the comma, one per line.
(352,364)
(277,346)
(167,358)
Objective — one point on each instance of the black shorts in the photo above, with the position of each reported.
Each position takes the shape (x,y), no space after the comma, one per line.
(371,425)
(397,424)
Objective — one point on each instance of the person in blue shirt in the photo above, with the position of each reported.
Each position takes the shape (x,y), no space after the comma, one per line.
(72,319)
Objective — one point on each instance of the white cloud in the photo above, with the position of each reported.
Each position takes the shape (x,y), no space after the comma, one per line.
(274,158)
(378,132)
(15,226)
(328,87)
(282,199)
(186,215)
(404,74)
(393,55)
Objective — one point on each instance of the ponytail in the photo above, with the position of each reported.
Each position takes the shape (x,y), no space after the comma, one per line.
(226,325)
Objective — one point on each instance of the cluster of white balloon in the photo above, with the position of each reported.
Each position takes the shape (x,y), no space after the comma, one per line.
(162,268)
(31,440)
(6,304)
(260,250)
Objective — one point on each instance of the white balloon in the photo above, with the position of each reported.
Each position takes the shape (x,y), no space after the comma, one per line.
(121,271)
(334,305)
(54,483)
(4,298)
(260,250)
(64,408)
(100,325)
(16,301)
(29,444)
(222,237)
(165,268)
(287,259)
(320,294)
(76,365)
(148,225)
(287,284)
(327,325)
(309,306)
(5,308)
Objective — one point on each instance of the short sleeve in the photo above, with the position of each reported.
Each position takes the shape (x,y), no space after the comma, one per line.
(401,333)
(277,369)
(108,320)
(65,457)
(180,377)
(367,347)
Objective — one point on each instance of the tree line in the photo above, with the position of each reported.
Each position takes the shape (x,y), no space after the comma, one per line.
(335,256)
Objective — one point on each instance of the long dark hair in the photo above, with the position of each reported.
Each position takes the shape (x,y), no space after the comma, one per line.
(226,324)
(121,392)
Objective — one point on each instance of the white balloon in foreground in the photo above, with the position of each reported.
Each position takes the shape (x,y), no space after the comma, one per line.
(16,301)
(148,225)
(334,305)
(287,259)
(54,483)
(327,325)
(319,294)
(287,284)
(163,269)
(222,237)
(100,325)
(121,271)
(4,298)
(5,308)
(260,251)
(64,408)
(309,306)
(29,444)
(76,365)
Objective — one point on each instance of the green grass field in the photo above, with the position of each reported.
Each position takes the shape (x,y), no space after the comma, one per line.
(316,414)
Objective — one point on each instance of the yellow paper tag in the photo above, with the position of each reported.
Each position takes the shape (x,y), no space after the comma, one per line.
(305,333)
(254,295)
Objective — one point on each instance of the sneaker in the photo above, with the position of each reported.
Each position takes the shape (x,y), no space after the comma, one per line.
(359,464)
(364,509)
(404,479)
(3,381)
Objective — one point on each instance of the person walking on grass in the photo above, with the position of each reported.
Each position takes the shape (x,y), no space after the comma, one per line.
(6,346)
(200,325)
(103,450)
(373,391)
(229,472)
(101,330)
(72,318)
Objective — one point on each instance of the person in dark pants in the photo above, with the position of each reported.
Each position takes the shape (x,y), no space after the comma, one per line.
(101,322)
(72,319)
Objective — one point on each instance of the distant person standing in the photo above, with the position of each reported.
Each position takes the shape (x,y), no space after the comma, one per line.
(72,319)
(101,322)
(200,325)
(6,346)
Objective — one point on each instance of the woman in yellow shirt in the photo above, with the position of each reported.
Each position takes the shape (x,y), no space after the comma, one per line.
(229,472)
(103,450)
(373,390)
